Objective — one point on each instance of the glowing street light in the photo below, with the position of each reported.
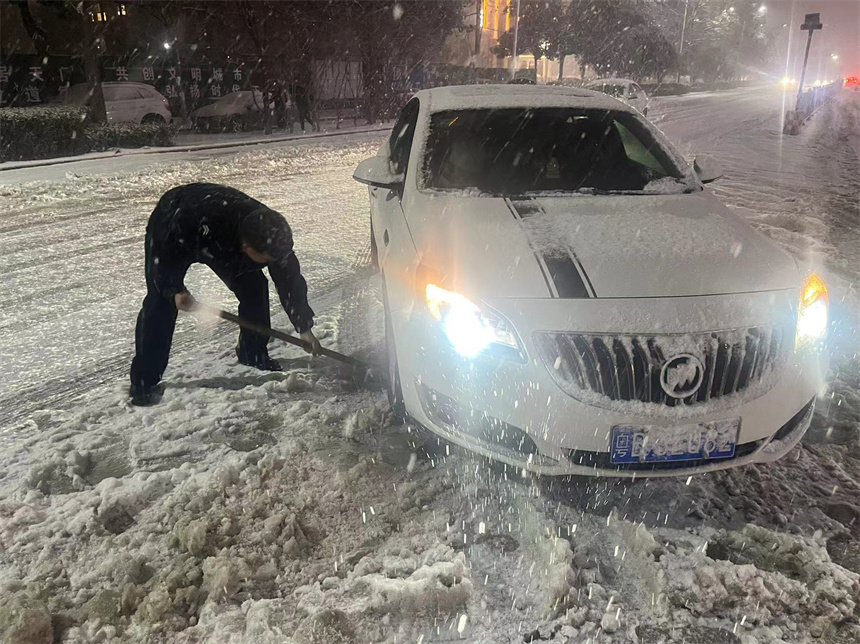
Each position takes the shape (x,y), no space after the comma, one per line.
(761,10)
(167,45)
(834,56)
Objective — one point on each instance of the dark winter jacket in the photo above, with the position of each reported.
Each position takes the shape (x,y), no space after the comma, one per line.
(202,222)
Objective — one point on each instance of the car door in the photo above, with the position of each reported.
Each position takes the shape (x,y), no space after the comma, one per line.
(148,104)
(398,256)
(121,103)
(390,230)
(113,108)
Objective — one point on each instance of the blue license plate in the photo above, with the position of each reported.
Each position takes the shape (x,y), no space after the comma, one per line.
(653,444)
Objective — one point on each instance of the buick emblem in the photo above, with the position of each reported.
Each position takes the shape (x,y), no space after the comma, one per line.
(682,375)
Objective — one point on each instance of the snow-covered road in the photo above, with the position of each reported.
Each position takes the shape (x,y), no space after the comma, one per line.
(71,253)
(255,508)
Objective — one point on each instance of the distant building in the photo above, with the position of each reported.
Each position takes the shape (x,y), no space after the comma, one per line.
(491,19)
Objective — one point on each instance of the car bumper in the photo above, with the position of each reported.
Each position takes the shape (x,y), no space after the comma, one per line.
(517,413)
(763,451)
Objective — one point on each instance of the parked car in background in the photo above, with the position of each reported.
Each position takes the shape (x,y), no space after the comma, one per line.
(235,112)
(853,82)
(624,90)
(125,102)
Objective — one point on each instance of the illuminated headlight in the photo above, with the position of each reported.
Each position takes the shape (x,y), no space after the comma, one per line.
(470,329)
(812,312)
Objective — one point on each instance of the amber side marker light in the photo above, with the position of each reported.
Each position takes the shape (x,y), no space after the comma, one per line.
(812,314)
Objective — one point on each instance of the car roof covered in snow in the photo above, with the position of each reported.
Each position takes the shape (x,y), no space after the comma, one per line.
(464,97)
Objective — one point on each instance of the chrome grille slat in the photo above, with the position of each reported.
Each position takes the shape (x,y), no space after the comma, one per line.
(618,349)
(566,347)
(646,371)
(763,366)
(778,349)
(609,349)
(627,368)
(730,358)
(751,376)
(740,367)
(592,368)
(595,360)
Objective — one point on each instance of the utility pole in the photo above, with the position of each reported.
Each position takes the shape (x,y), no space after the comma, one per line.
(479,27)
(681,45)
(794,118)
(516,33)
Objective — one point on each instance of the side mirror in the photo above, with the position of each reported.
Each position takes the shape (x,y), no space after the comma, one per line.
(376,171)
(707,168)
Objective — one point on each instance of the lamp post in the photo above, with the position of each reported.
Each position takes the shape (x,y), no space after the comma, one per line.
(681,45)
(516,33)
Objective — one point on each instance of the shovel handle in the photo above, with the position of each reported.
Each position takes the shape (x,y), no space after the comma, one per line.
(280,335)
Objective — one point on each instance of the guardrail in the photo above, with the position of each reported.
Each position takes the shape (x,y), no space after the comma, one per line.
(808,102)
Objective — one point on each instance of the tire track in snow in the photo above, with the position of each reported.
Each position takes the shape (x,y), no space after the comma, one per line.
(59,393)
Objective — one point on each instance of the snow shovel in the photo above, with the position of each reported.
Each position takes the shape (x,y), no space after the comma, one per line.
(280,335)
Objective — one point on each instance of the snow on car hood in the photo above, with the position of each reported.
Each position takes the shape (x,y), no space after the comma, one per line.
(660,245)
(477,245)
(596,246)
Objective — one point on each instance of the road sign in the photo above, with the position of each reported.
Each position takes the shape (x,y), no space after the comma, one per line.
(811,22)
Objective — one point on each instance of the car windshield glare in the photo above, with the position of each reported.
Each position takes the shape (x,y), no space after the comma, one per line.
(516,151)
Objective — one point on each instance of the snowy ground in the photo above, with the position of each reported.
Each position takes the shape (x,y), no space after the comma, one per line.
(287,507)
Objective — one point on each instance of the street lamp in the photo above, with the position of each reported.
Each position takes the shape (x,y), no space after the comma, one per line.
(167,45)
(834,56)
(761,10)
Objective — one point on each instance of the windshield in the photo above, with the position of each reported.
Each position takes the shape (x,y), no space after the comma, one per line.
(516,151)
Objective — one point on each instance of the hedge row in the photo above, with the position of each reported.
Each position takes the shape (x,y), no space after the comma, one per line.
(57,131)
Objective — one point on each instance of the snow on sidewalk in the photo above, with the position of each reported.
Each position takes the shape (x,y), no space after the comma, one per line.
(193,142)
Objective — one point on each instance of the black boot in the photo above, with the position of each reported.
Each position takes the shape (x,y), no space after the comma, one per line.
(142,396)
(260,361)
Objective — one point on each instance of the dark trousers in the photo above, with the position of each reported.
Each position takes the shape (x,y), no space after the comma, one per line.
(157,319)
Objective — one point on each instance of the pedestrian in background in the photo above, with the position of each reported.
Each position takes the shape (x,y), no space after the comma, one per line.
(303,105)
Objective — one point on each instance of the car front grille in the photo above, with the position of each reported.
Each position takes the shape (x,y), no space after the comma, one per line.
(629,367)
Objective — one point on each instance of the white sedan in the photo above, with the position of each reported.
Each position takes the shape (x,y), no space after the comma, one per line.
(563,295)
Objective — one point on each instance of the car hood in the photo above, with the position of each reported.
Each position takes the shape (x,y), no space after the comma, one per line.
(597,246)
